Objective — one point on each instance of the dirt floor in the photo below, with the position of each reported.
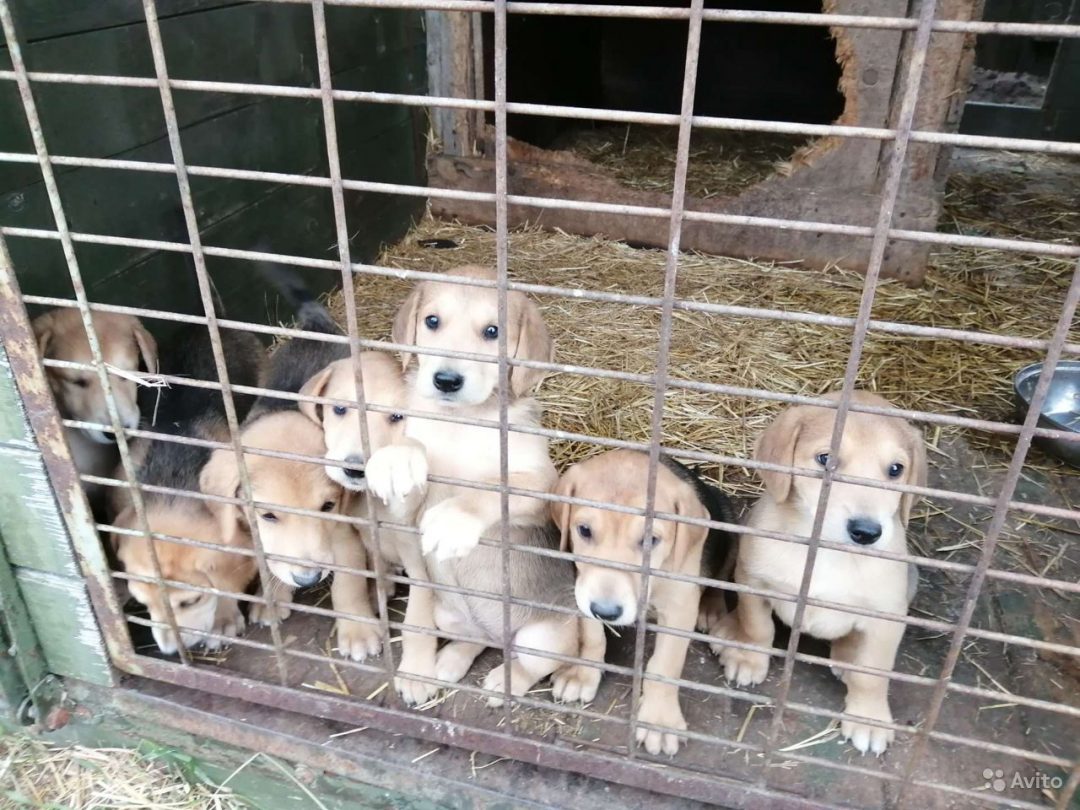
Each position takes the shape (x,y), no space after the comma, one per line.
(1003,195)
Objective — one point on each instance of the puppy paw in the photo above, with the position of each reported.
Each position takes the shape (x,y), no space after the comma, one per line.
(448,531)
(454,661)
(743,667)
(358,640)
(264,615)
(228,621)
(395,472)
(867,738)
(575,683)
(661,711)
(415,693)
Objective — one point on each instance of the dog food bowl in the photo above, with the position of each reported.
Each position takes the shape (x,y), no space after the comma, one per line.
(1061,411)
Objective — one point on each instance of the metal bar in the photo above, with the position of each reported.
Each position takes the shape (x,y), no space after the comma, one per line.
(997,522)
(322,50)
(660,380)
(206,293)
(894,175)
(60,218)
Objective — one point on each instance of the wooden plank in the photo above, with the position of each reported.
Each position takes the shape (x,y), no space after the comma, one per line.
(14,429)
(43,19)
(29,518)
(66,629)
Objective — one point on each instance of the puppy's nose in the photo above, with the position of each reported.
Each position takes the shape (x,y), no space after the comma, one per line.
(448,381)
(606,611)
(303,579)
(357,472)
(863,530)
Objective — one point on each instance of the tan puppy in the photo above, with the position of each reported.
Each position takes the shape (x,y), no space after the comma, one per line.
(126,346)
(452,519)
(278,424)
(873,447)
(619,477)
(196,413)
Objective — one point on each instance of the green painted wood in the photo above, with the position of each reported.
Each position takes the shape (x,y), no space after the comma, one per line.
(43,19)
(63,620)
(29,518)
(22,663)
(14,429)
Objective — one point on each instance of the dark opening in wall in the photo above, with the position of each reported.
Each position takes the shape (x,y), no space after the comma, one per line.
(773,72)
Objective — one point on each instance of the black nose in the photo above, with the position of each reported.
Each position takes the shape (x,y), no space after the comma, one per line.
(356,472)
(605,611)
(303,579)
(863,530)
(448,381)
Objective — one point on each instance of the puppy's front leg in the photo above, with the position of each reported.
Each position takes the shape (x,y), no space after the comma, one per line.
(660,701)
(261,612)
(417,649)
(578,681)
(751,623)
(874,645)
(349,594)
(453,527)
(228,621)
(396,471)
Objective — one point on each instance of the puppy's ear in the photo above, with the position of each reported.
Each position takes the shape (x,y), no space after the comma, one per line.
(221,476)
(916,474)
(43,331)
(147,347)
(123,520)
(688,538)
(315,387)
(533,343)
(560,512)
(777,446)
(404,329)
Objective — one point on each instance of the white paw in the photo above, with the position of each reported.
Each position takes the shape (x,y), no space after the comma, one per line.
(264,615)
(396,471)
(867,738)
(661,712)
(448,531)
(452,663)
(416,693)
(228,622)
(743,667)
(358,640)
(575,683)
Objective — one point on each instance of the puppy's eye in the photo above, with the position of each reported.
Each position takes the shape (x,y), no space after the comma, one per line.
(396,417)
(269,517)
(327,507)
(491,332)
(822,459)
(81,382)
(432,322)
(896,470)
(339,410)
(584,532)
(187,603)
(650,542)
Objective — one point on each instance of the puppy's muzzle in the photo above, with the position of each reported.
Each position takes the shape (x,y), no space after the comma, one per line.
(606,611)
(355,473)
(863,531)
(448,382)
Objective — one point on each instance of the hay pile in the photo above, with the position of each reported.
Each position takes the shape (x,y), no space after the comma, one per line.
(965,289)
(35,774)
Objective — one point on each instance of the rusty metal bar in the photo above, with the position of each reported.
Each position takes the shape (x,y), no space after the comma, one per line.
(997,522)
(37,134)
(206,293)
(894,175)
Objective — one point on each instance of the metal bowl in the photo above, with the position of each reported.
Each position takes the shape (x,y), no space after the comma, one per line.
(1061,411)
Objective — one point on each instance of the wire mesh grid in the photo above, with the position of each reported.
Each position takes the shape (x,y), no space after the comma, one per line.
(619,756)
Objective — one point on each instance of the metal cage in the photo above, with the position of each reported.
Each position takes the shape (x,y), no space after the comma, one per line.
(729,769)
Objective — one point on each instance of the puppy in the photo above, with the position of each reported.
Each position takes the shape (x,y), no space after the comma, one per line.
(126,346)
(197,413)
(610,595)
(452,519)
(873,447)
(279,425)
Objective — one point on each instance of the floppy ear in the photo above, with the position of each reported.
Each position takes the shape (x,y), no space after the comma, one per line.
(147,348)
(533,343)
(315,387)
(404,329)
(916,472)
(221,477)
(777,446)
(560,512)
(688,538)
(43,332)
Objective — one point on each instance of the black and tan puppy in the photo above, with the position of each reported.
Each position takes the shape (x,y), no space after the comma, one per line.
(195,413)
(610,595)
(278,424)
